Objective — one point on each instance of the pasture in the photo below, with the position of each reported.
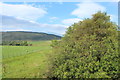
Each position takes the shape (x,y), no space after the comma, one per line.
(26,61)
(13,51)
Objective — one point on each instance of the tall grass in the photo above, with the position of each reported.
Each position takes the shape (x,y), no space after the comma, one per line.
(33,65)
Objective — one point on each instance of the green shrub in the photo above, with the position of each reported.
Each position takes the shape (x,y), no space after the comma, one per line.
(89,49)
(15,43)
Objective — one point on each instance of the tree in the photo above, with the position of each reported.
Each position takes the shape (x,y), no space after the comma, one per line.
(16,43)
(89,49)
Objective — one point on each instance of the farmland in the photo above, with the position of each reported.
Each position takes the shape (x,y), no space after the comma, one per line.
(13,51)
(26,61)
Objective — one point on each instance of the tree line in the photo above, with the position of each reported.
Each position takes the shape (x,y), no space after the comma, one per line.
(16,43)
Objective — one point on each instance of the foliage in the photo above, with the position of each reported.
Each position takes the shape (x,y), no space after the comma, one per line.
(16,43)
(89,49)
(54,43)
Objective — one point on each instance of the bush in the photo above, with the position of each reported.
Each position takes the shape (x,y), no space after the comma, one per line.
(15,43)
(89,49)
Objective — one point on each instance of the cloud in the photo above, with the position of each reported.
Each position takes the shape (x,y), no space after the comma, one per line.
(54,28)
(10,23)
(99,0)
(71,21)
(107,0)
(86,9)
(113,17)
(22,11)
(54,18)
(15,30)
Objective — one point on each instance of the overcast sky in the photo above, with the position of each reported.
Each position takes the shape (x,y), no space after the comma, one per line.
(50,17)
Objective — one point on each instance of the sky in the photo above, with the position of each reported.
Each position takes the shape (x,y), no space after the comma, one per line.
(50,17)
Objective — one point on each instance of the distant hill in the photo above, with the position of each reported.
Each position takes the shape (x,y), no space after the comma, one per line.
(23,35)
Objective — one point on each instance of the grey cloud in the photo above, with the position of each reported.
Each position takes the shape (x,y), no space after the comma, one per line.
(9,21)
(12,23)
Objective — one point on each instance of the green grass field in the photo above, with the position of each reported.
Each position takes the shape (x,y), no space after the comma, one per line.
(26,61)
(13,51)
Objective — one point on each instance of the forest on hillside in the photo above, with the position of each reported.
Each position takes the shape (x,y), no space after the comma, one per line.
(24,35)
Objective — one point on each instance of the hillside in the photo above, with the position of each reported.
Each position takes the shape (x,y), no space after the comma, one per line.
(22,35)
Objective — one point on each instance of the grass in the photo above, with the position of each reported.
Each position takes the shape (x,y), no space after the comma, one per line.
(13,51)
(33,65)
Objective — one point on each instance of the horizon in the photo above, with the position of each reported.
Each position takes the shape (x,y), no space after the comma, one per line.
(33,32)
(51,17)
